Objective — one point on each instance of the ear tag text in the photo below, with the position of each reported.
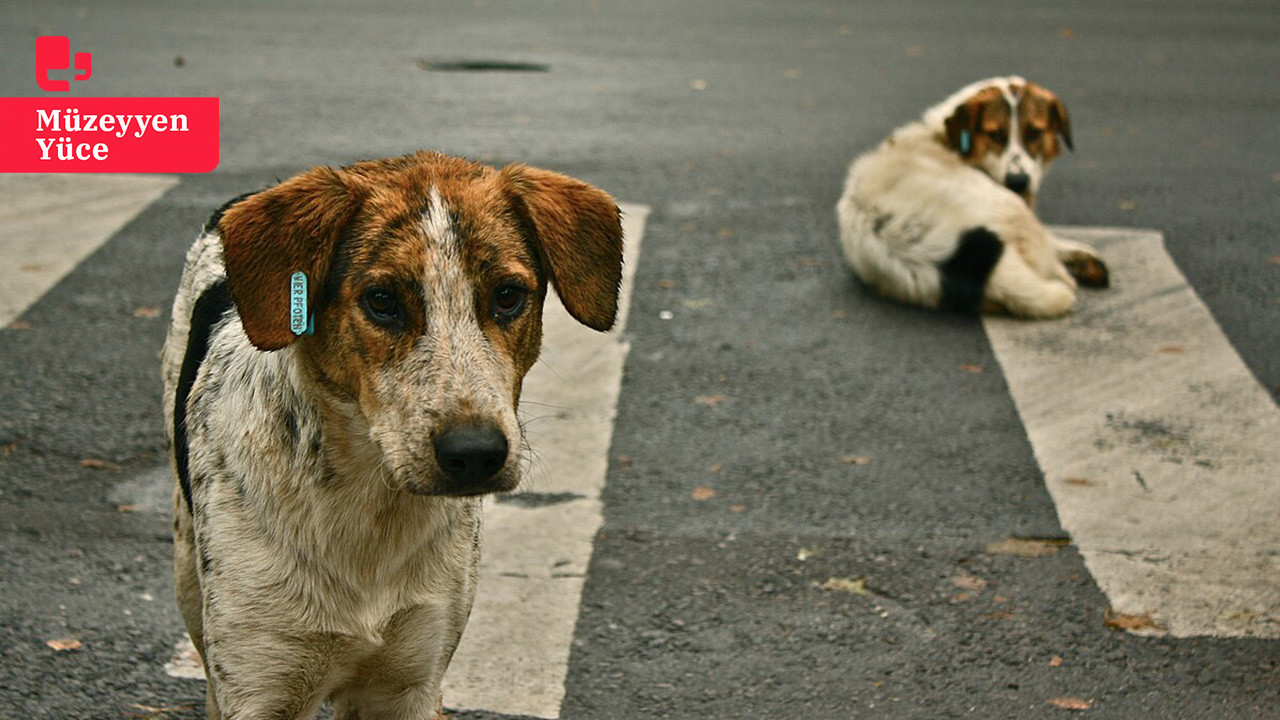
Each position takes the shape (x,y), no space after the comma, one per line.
(966,142)
(300,321)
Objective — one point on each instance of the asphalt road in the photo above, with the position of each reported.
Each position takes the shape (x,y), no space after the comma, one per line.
(734,122)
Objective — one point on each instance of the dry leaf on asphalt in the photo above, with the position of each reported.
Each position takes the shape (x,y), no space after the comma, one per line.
(147,312)
(710,400)
(65,644)
(965,581)
(1070,703)
(850,585)
(855,460)
(970,368)
(1121,621)
(99,464)
(1055,661)
(703,493)
(19,325)
(1023,547)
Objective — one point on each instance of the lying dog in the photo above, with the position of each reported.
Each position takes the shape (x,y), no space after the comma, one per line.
(341,379)
(941,213)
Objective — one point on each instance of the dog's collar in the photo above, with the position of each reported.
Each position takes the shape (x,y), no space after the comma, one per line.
(301,321)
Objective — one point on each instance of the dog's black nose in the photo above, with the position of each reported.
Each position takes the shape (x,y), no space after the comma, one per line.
(1017,182)
(471,453)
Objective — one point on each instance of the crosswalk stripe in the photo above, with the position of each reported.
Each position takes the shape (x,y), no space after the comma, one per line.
(49,223)
(515,651)
(1160,449)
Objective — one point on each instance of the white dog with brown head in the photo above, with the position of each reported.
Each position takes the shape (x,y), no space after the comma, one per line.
(341,381)
(941,214)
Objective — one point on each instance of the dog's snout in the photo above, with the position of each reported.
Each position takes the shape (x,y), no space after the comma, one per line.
(471,453)
(1017,182)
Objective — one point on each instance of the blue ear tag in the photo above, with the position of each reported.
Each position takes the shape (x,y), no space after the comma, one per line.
(301,322)
(966,142)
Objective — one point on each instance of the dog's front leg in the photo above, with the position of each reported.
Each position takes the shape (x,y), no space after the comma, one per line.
(1083,262)
(264,674)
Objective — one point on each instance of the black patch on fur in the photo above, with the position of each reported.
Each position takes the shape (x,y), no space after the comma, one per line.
(212,223)
(209,309)
(964,274)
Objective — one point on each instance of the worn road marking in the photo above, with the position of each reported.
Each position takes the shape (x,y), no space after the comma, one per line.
(49,223)
(1159,447)
(515,651)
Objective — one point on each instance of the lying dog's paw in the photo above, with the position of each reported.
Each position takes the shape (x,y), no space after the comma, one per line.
(1087,269)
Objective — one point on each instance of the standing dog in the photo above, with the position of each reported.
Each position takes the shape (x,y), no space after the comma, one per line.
(941,213)
(341,379)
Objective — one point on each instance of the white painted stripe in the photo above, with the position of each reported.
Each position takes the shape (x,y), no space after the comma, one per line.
(1160,449)
(515,651)
(49,223)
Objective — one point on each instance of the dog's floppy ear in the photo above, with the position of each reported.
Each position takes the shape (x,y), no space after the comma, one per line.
(578,230)
(1059,121)
(267,237)
(962,126)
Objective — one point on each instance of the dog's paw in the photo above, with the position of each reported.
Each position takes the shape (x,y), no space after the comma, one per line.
(1087,269)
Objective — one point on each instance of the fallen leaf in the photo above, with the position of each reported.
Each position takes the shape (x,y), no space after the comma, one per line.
(98,464)
(9,449)
(128,508)
(1070,703)
(849,585)
(809,262)
(717,469)
(965,581)
(838,314)
(1067,33)
(65,644)
(666,284)
(19,325)
(1023,547)
(703,493)
(1275,260)
(1127,205)
(1121,621)
(737,508)
(855,460)
(724,233)
(1170,349)
(1055,661)
(710,400)
(961,597)
(1079,482)
(146,312)
(31,267)
(1000,599)
(970,368)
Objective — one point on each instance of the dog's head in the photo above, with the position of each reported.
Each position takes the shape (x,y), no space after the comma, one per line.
(1009,128)
(426,276)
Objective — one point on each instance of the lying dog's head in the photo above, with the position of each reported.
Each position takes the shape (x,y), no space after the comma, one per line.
(1007,127)
(426,276)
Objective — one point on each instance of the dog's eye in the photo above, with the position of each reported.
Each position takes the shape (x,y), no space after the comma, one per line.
(1033,134)
(381,305)
(508,301)
(998,136)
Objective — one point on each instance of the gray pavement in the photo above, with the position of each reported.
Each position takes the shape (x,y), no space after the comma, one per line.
(734,122)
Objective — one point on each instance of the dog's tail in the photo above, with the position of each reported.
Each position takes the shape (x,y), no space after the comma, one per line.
(964,274)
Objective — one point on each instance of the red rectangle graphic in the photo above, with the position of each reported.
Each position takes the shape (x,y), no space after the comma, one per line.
(108,135)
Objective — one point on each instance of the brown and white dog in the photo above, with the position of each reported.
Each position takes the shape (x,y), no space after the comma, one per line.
(326,506)
(941,214)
